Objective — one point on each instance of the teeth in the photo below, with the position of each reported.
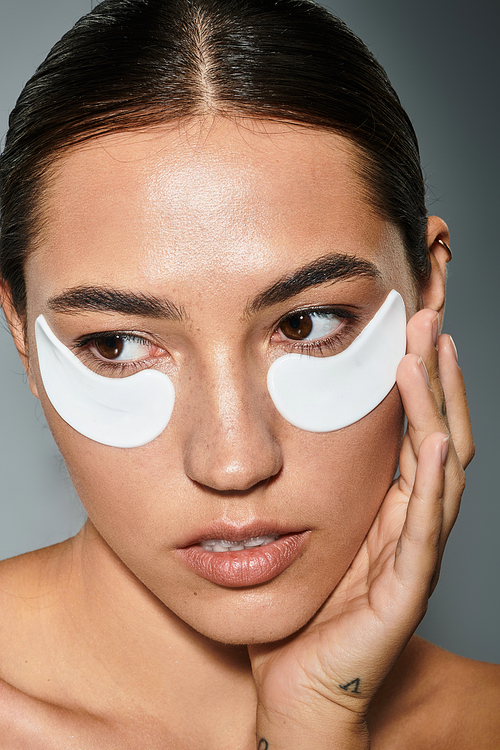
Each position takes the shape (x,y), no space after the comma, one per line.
(222,545)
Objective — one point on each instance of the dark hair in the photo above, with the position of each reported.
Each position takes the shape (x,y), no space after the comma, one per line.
(137,63)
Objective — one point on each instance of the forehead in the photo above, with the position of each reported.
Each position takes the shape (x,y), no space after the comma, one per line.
(177,203)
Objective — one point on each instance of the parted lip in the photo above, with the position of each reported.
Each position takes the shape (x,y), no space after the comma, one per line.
(236,532)
(247,567)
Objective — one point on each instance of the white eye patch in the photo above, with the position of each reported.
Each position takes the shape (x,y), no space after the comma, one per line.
(121,412)
(317,394)
(323,394)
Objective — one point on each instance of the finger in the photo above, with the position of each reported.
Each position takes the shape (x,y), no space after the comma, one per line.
(456,400)
(461,434)
(421,409)
(419,547)
(424,419)
(422,338)
(431,407)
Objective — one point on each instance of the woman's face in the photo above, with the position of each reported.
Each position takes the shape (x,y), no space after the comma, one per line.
(212,220)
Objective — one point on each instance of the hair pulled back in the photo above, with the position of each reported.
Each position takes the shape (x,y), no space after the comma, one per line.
(139,63)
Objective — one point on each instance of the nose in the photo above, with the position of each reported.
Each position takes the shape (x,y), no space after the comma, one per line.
(230,444)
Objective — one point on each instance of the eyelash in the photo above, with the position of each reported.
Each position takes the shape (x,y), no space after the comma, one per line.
(314,347)
(321,346)
(108,367)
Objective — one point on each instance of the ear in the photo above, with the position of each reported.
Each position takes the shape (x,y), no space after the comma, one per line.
(17,326)
(433,293)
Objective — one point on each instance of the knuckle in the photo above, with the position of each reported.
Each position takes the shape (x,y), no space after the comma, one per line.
(460,480)
(472,451)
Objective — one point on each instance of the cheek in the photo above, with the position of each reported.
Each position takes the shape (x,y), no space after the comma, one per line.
(345,475)
(129,494)
(345,460)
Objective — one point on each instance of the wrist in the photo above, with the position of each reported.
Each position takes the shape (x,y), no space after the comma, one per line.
(336,729)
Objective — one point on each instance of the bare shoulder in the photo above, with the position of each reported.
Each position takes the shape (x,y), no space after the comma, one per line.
(50,690)
(29,583)
(435,699)
(28,592)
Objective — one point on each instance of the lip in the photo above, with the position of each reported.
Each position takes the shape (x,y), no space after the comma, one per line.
(248,567)
(233,532)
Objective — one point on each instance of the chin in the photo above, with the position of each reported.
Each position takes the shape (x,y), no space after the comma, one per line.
(252,616)
(247,634)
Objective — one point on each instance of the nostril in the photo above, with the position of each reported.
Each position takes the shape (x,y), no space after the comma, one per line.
(232,463)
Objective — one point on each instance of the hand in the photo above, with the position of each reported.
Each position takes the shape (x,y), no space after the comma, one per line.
(319,683)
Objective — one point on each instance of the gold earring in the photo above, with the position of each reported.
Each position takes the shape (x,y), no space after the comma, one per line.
(443,243)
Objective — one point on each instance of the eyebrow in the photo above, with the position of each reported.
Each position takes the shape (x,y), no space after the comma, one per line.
(104,299)
(327,268)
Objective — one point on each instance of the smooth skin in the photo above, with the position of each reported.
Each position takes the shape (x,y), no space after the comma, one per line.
(113,642)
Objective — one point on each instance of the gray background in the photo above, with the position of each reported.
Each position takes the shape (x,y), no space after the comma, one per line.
(443,59)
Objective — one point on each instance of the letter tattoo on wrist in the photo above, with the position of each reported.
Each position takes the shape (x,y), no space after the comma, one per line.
(352,686)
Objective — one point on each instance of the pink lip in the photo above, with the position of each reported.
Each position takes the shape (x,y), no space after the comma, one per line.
(246,567)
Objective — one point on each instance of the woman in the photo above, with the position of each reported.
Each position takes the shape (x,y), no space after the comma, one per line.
(189,199)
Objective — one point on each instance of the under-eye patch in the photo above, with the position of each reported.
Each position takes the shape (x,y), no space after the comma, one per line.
(313,393)
(323,394)
(121,412)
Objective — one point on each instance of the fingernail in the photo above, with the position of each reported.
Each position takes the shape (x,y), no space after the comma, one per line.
(435,330)
(424,370)
(454,349)
(444,450)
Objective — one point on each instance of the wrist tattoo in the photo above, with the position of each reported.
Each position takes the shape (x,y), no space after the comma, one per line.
(352,686)
(263,744)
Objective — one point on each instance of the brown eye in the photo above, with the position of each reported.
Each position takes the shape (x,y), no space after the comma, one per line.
(110,347)
(122,347)
(297,326)
(313,325)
